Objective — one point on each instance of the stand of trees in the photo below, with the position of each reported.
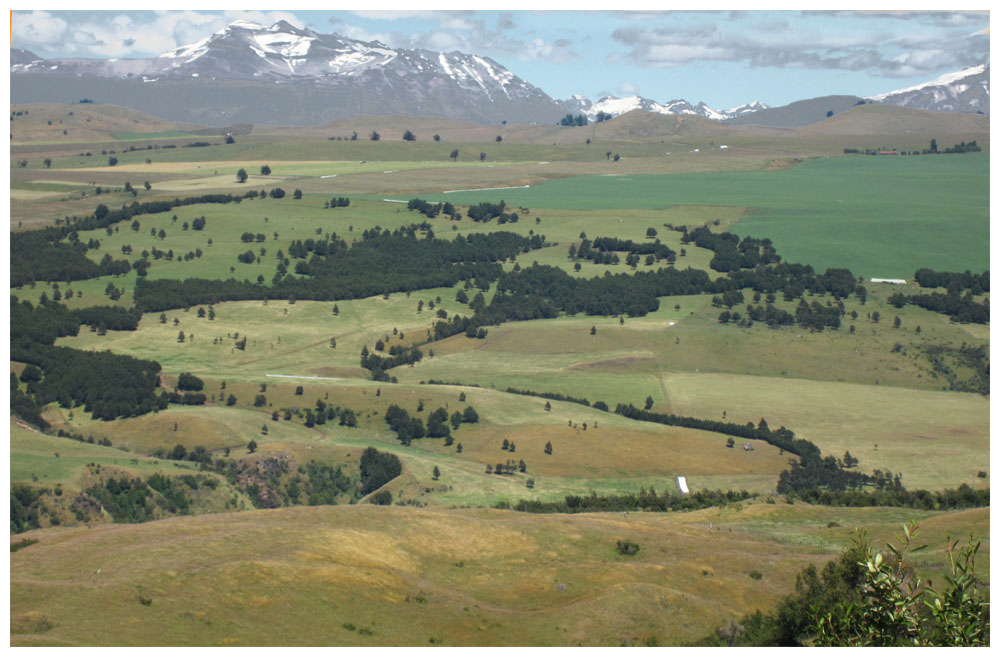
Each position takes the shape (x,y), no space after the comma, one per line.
(382,262)
(601,247)
(431,210)
(960,307)
(398,355)
(954,281)
(964,497)
(554,396)
(377,469)
(570,120)
(106,384)
(642,501)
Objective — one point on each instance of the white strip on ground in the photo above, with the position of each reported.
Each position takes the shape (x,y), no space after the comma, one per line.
(332,175)
(484,189)
(296,376)
(682,484)
(392,200)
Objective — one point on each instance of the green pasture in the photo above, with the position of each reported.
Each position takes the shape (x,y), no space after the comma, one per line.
(33,459)
(879,217)
(163,134)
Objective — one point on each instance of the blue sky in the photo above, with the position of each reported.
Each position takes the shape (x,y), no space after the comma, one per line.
(724,58)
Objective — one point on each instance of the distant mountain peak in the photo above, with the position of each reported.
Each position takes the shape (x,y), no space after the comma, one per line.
(616,106)
(362,77)
(967,90)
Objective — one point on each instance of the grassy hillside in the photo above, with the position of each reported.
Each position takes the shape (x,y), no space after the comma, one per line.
(68,124)
(440,566)
(374,576)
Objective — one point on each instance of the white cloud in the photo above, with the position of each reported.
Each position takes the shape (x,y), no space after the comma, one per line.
(627,89)
(39,28)
(880,48)
(122,35)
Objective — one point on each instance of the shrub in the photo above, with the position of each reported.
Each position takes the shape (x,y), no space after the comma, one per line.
(627,547)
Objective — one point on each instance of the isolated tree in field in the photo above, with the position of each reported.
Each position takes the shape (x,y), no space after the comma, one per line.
(180,336)
(374,136)
(409,136)
(252,446)
(454,155)
(437,473)
(47,162)
(593,330)
(482,157)
(933,145)
(548,448)
(147,185)
(649,402)
(230,139)
(297,195)
(548,406)
(897,322)
(241,176)
(265,170)
(112,161)
(231,400)
(730,442)
(617,157)
(876,316)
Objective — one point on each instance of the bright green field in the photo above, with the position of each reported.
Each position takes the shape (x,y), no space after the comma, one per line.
(880,217)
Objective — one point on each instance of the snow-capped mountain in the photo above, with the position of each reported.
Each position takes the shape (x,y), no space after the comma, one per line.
(613,106)
(20,57)
(344,76)
(967,90)
(745,108)
(249,73)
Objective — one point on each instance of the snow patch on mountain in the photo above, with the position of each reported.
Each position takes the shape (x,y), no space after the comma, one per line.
(942,81)
(618,106)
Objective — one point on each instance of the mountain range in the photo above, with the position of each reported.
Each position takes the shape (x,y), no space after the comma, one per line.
(249,73)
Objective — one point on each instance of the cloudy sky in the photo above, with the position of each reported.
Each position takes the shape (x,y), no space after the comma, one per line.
(724,58)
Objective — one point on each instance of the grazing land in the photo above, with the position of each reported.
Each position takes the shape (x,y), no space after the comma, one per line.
(267,476)
(373,576)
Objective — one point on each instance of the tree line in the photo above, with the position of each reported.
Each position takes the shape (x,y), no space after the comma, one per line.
(106,384)
(644,500)
(381,263)
(960,307)
(955,282)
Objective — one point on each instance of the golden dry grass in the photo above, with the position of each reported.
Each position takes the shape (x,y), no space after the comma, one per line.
(315,576)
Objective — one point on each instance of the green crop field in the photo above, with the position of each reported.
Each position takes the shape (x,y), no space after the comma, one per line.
(879,217)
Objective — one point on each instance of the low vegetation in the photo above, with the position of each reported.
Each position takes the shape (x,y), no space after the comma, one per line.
(587,362)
